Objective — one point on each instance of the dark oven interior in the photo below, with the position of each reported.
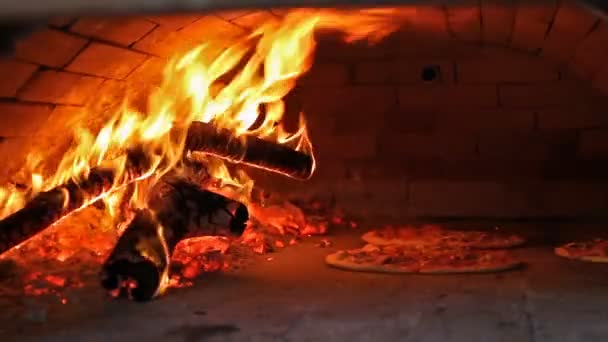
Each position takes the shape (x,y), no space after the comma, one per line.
(213,163)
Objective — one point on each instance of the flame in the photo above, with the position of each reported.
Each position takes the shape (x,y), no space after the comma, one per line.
(237,83)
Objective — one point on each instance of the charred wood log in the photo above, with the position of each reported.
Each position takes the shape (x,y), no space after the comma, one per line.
(47,207)
(249,150)
(177,209)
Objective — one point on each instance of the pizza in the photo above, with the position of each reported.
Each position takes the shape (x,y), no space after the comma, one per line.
(592,251)
(422,260)
(435,235)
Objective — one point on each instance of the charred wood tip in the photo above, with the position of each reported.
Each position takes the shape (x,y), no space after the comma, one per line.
(177,209)
(138,280)
(128,271)
(239,220)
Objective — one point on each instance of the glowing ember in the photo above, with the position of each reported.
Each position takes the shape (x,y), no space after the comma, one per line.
(235,83)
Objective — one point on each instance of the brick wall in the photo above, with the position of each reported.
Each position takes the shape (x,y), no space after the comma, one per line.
(491,109)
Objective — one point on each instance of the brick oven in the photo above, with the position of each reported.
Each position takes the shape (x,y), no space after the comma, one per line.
(482,114)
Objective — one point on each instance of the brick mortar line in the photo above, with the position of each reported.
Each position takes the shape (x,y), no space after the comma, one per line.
(446,15)
(512,30)
(93,39)
(32,77)
(481,37)
(556,10)
(571,60)
(129,74)
(156,26)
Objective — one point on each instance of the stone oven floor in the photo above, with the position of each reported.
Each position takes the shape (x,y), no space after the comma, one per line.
(295,297)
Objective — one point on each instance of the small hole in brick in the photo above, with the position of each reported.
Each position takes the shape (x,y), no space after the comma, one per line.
(430,73)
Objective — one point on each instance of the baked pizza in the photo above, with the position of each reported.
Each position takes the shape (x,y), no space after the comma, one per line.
(435,235)
(423,260)
(592,251)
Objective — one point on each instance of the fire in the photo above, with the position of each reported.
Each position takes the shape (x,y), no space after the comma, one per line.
(236,84)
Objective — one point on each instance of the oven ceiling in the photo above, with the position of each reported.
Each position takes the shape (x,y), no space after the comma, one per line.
(36,9)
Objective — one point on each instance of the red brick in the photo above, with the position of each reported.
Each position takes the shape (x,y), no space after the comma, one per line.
(489,170)
(372,198)
(255,19)
(464,22)
(50,47)
(20,119)
(402,71)
(121,31)
(543,94)
(572,23)
(328,169)
(580,169)
(421,46)
(528,145)
(112,94)
(575,117)
(14,74)
(474,119)
(427,168)
(59,88)
(230,15)
(532,20)
(350,111)
(447,146)
(337,148)
(498,18)
(463,199)
(326,74)
(377,167)
(591,54)
(438,96)
(106,61)
(163,42)
(469,120)
(349,124)
(419,121)
(174,22)
(347,102)
(332,48)
(594,144)
(506,68)
(211,28)
(570,198)
(431,20)
(150,72)
(600,81)
(63,119)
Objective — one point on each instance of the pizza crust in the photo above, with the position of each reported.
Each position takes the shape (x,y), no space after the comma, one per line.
(590,251)
(434,260)
(434,235)
(340,260)
(507,266)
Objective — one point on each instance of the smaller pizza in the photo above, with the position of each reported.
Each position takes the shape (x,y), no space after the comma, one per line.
(435,235)
(424,260)
(591,251)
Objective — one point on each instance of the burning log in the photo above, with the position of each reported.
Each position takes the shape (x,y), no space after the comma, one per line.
(249,150)
(48,207)
(177,209)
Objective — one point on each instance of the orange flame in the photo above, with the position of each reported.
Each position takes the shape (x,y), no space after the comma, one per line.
(223,82)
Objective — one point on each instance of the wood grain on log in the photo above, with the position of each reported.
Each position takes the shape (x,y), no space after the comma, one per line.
(249,150)
(177,209)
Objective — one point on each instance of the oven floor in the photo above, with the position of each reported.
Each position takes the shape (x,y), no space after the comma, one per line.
(295,297)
